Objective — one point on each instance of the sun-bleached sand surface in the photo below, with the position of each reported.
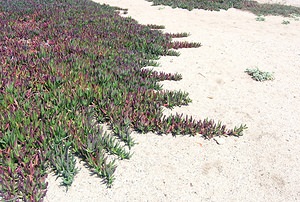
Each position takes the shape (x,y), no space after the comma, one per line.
(262,165)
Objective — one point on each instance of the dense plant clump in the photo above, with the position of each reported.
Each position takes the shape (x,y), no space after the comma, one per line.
(205,4)
(259,75)
(67,68)
(216,5)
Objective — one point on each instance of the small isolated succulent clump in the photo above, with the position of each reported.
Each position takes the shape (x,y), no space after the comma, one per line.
(285,22)
(259,75)
(260,18)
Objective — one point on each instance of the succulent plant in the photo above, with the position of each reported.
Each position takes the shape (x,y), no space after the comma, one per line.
(64,75)
(259,75)
(216,5)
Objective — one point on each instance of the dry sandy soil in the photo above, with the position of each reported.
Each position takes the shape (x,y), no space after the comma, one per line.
(262,165)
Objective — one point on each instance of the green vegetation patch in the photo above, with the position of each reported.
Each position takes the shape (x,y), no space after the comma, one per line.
(68,66)
(259,75)
(216,5)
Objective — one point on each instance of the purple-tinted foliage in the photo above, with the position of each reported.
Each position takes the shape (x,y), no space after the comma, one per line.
(62,75)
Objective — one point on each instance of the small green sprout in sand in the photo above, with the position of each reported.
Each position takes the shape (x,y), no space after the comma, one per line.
(260,18)
(259,75)
(285,22)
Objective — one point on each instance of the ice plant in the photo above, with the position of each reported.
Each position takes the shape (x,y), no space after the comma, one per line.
(64,76)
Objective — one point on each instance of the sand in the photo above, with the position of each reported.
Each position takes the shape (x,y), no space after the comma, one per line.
(263,164)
